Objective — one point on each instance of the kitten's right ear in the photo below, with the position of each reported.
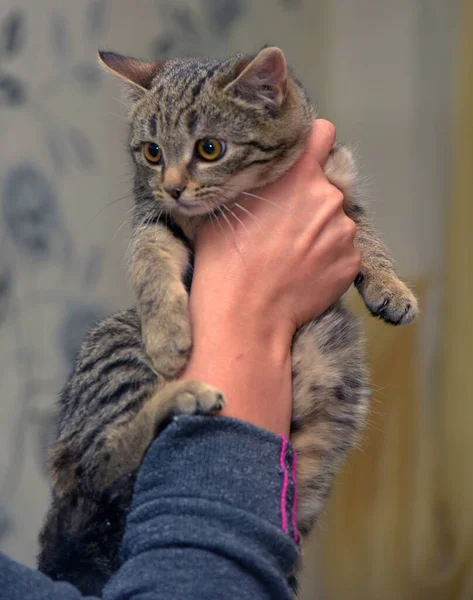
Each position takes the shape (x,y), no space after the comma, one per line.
(137,75)
(263,80)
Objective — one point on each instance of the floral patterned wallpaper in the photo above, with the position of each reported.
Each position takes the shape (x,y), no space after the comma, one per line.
(64,198)
(43,274)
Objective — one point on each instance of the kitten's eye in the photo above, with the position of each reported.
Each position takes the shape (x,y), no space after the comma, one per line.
(153,153)
(210,148)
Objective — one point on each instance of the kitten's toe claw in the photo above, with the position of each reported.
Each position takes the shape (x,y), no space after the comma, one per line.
(180,350)
(359,279)
(402,309)
(393,302)
(380,311)
(411,310)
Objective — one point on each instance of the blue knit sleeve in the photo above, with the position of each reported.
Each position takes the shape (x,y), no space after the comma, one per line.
(213,516)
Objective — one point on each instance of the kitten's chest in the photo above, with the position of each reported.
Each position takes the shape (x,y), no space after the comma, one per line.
(187,228)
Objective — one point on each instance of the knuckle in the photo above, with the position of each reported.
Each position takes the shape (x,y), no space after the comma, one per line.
(335,197)
(328,130)
(350,228)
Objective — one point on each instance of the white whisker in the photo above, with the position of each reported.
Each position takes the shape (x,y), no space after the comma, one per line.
(121,117)
(262,198)
(249,213)
(226,219)
(123,103)
(146,219)
(235,216)
(233,232)
(217,220)
(124,223)
(126,197)
(136,231)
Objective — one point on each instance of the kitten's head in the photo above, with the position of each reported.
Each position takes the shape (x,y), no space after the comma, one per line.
(204,130)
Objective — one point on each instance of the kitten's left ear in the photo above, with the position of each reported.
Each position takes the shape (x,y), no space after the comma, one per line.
(263,80)
(136,74)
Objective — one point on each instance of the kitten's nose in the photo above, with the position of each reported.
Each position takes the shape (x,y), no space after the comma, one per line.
(175,180)
(174,192)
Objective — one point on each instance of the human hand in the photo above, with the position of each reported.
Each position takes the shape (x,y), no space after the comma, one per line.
(288,257)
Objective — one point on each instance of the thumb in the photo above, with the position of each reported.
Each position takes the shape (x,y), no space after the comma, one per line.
(321,141)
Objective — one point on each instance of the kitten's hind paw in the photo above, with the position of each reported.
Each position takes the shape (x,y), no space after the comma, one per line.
(390,300)
(125,444)
(195,397)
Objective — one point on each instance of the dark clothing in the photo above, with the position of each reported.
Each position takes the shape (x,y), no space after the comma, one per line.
(213,516)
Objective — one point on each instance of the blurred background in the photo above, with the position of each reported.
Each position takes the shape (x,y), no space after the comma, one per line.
(397,80)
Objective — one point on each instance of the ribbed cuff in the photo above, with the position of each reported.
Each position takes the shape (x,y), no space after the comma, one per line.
(198,460)
(226,460)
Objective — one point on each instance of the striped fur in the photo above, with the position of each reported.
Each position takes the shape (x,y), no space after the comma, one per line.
(122,391)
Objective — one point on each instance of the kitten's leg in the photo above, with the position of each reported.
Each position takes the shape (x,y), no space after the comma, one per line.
(126,442)
(111,381)
(331,400)
(120,448)
(113,393)
(109,412)
(384,294)
(157,265)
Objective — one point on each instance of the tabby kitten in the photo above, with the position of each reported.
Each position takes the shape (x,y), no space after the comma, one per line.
(202,132)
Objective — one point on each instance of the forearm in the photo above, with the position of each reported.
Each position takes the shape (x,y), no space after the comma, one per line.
(241,345)
(249,360)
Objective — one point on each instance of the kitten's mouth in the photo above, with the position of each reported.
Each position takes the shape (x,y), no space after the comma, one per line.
(191,208)
(184,204)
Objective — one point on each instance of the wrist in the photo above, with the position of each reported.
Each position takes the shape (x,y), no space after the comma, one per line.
(249,359)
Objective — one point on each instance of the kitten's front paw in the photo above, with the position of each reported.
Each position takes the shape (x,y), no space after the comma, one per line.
(389,299)
(196,397)
(341,170)
(168,343)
